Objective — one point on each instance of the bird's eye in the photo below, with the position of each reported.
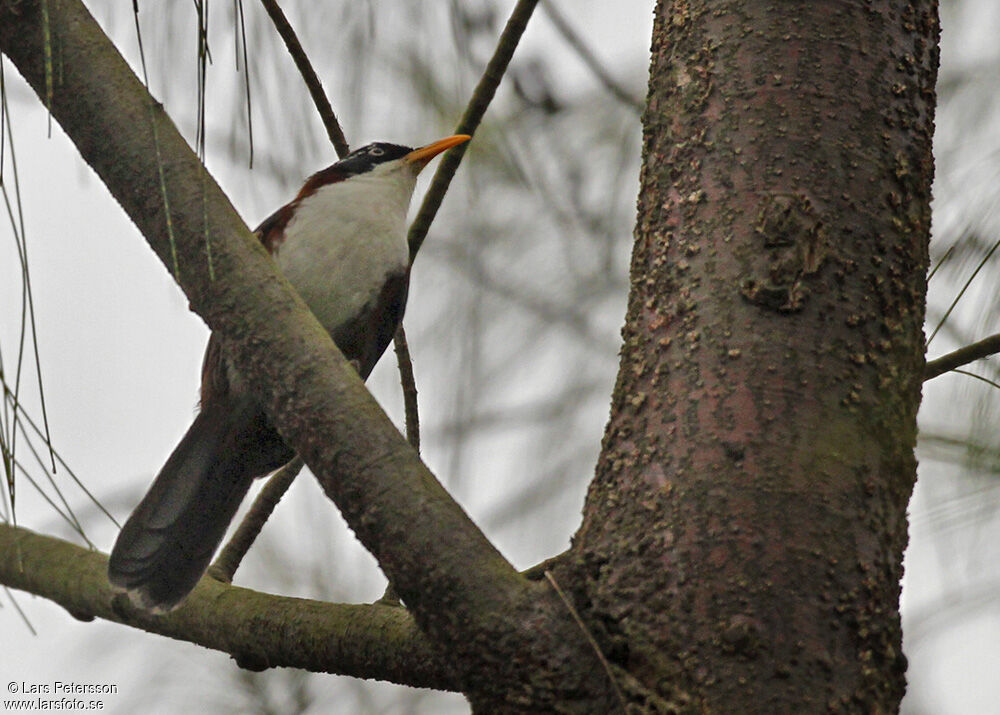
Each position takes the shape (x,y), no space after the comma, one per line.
(376,151)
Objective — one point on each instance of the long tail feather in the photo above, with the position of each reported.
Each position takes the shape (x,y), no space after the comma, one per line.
(168,541)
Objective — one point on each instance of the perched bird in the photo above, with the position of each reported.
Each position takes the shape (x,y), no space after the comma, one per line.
(342,243)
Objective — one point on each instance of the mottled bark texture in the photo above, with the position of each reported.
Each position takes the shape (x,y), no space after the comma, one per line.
(742,545)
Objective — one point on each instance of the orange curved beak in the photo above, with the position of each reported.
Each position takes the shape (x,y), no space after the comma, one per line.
(424,154)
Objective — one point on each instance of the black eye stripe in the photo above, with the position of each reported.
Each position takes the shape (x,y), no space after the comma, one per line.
(368,157)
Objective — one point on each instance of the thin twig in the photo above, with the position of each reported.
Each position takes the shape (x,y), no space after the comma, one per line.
(8,397)
(590,638)
(233,552)
(47,34)
(389,597)
(20,612)
(409,388)
(315,87)
(992,383)
(238,10)
(965,287)
(941,261)
(481,98)
(962,356)
(574,40)
(409,385)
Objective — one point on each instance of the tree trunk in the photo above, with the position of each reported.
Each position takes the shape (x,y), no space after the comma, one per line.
(742,542)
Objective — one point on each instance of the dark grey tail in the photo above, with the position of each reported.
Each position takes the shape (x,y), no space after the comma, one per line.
(168,541)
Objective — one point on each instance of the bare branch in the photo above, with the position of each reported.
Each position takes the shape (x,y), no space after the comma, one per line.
(309,75)
(480,101)
(360,640)
(968,282)
(962,356)
(409,384)
(232,553)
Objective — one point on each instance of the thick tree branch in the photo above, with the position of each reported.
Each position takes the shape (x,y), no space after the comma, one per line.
(506,634)
(359,640)
(962,356)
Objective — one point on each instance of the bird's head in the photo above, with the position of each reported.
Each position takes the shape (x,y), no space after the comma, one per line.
(380,158)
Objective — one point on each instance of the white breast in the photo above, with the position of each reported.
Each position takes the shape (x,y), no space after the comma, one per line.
(344,239)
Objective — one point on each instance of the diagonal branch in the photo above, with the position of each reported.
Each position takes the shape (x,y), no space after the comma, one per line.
(409,382)
(962,356)
(480,101)
(231,555)
(573,39)
(315,636)
(309,75)
(269,331)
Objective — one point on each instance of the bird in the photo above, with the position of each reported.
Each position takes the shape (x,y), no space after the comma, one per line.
(341,243)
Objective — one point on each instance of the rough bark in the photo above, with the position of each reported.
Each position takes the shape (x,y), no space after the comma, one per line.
(741,550)
(512,642)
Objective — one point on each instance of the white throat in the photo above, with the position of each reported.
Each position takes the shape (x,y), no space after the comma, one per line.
(344,240)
